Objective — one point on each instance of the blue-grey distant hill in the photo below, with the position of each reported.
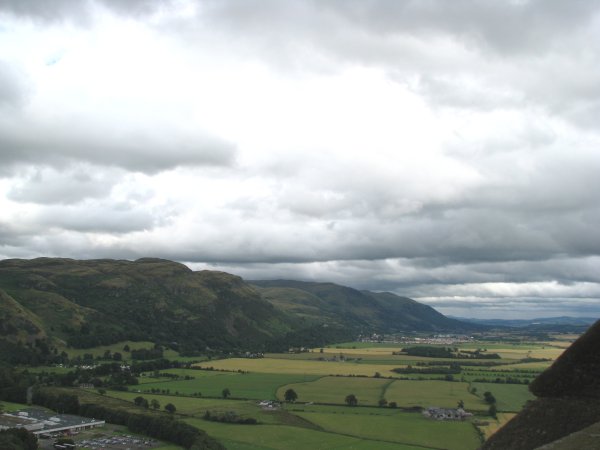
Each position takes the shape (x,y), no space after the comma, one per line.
(543,321)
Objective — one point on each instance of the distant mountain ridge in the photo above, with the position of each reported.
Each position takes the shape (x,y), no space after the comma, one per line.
(98,302)
(561,320)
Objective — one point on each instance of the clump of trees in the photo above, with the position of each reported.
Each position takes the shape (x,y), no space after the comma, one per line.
(141,401)
(229,417)
(18,439)
(290,396)
(147,353)
(351,400)
(489,398)
(170,408)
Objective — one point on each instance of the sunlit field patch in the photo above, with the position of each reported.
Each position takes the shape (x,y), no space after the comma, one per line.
(270,365)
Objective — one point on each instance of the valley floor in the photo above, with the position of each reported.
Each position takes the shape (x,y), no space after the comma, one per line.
(389,404)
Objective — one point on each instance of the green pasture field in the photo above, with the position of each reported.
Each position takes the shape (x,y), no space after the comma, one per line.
(402,427)
(191,406)
(445,394)
(334,390)
(277,429)
(283,437)
(10,407)
(290,366)
(188,405)
(509,397)
(260,386)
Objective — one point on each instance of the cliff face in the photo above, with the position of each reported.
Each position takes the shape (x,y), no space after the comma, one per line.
(568,401)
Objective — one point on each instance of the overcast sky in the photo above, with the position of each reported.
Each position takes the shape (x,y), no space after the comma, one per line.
(445,151)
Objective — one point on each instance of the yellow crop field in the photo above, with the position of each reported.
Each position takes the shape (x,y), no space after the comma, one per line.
(529,366)
(494,425)
(544,352)
(360,351)
(291,366)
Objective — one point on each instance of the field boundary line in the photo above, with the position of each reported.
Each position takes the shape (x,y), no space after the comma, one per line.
(385,387)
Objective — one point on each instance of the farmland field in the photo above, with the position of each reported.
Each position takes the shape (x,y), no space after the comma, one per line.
(320,419)
(290,366)
(509,397)
(335,389)
(241,385)
(198,406)
(282,437)
(433,393)
(402,427)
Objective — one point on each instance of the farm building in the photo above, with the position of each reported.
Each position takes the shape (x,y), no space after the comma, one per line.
(40,421)
(433,412)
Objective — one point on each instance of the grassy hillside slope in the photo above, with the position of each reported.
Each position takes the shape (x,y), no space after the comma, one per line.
(369,311)
(95,302)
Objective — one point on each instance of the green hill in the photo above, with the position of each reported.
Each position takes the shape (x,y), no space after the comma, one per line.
(362,310)
(54,302)
(568,402)
(97,302)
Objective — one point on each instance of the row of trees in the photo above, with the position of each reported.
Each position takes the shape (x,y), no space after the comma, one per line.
(291,396)
(154,403)
(489,398)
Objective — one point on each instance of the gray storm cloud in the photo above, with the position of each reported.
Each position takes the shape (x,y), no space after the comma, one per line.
(133,149)
(446,151)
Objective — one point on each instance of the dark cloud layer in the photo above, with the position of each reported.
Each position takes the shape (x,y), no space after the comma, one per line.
(133,149)
(78,11)
(442,150)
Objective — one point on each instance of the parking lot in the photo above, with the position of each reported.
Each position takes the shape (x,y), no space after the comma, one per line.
(111,437)
(124,442)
